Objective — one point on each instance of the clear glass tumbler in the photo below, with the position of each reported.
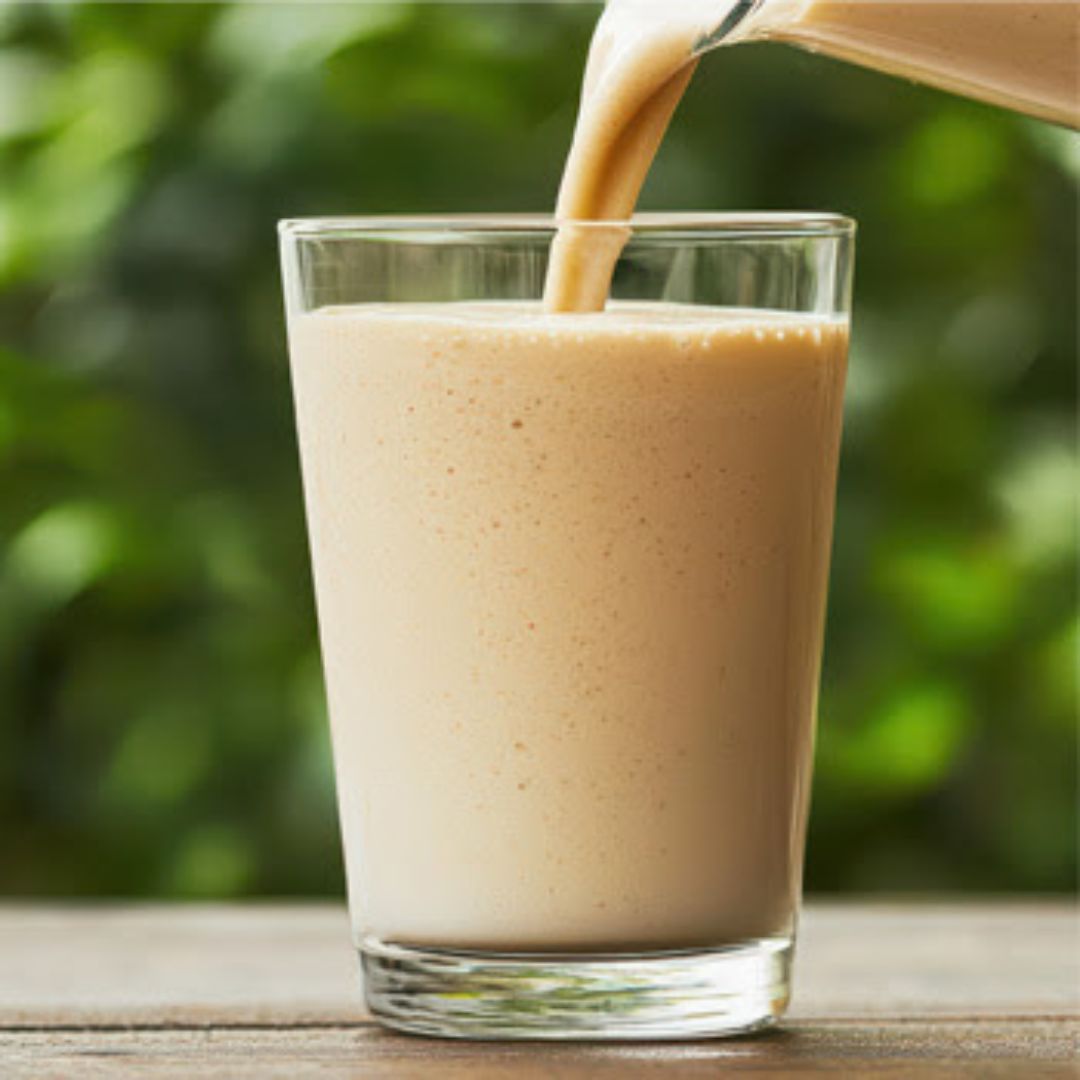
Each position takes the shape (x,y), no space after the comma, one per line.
(571,575)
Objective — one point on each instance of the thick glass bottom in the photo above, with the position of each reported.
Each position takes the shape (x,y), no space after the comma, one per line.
(659,995)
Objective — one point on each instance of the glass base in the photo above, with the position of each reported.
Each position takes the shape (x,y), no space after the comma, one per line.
(661,995)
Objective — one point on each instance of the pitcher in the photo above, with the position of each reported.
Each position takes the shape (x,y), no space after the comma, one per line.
(1021,54)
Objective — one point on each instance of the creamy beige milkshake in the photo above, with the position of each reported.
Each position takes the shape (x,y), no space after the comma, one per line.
(571,579)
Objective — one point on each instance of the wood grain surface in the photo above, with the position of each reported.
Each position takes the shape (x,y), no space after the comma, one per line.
(922,990)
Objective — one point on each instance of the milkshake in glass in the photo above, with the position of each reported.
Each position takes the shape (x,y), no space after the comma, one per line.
(571,574)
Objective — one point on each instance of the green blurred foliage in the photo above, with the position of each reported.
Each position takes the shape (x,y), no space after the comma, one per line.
(162,728)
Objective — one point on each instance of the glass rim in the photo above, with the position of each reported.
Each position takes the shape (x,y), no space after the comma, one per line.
(772,225)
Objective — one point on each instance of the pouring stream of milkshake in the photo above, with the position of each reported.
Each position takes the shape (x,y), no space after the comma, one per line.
(638,68)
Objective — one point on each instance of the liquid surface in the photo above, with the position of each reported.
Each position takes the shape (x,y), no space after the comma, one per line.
(571,579)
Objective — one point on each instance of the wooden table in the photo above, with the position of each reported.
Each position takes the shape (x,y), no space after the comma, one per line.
(911,990)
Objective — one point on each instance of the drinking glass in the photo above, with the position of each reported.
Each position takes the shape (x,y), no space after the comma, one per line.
(570,574)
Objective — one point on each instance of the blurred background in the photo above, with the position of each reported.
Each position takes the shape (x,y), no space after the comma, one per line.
(162,728)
